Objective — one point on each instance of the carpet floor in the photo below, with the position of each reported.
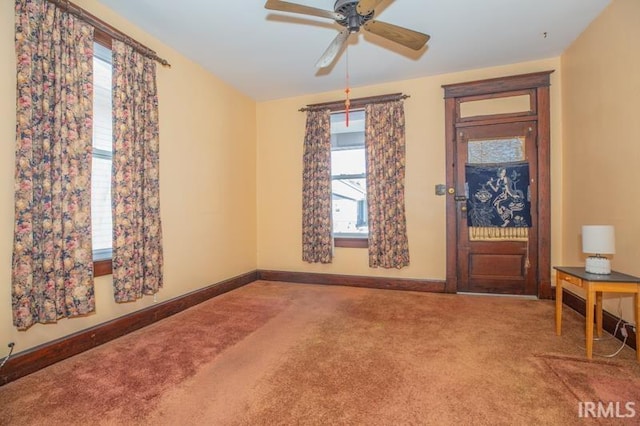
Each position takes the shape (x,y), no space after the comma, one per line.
(279,354)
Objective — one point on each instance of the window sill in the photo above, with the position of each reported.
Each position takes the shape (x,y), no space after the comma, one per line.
(349,242)
(102,267)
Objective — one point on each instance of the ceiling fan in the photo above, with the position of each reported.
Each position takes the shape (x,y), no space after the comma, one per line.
(353,14)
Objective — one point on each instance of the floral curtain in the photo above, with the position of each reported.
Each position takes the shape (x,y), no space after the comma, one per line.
(52,269)
(317,240)
(137,233)
(385,148)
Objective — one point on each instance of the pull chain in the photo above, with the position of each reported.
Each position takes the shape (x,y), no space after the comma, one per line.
(347,102)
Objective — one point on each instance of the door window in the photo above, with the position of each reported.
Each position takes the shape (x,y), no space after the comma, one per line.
(496,151)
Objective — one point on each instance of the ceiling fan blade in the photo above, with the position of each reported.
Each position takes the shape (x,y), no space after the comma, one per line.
(365,7)
(404,36)
(334,48)
(285,6)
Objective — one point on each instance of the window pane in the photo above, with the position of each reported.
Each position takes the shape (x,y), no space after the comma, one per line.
(101,203)
(348,162)
(349,171)
(339,122)
(102,123)
(102,153)
(496,150)
(350,206)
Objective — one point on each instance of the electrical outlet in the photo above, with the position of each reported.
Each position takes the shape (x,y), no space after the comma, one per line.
(623,331)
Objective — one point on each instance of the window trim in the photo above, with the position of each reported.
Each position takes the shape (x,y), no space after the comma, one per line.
(351,242)
(102,38)
(104,265)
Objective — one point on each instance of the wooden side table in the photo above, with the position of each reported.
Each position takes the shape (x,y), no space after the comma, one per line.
(595,285)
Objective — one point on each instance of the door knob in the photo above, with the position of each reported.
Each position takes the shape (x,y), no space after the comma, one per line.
(463,208)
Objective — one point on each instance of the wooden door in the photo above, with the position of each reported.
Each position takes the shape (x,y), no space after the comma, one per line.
(496,200)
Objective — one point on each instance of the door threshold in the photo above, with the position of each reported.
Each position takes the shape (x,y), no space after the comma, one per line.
(513,296)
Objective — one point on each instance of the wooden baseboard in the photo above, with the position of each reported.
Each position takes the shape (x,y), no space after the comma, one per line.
(431,286)
(609,321)
(42,356)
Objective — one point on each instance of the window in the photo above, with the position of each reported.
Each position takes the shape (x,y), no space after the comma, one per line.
(349,179)
(102,155)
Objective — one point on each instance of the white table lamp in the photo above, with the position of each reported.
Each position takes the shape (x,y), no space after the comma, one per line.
(598,240)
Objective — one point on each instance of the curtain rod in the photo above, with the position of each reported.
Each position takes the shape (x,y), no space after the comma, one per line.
(99,24)
(355,103)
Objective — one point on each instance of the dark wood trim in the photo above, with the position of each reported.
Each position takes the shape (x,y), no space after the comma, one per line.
(544,194)
(609,320)
(497,85)
(357,103)
(42,356)
(431,286)
(102,267)
(510,117)
(351,242)
(451,226)
(486,120)
(102,38)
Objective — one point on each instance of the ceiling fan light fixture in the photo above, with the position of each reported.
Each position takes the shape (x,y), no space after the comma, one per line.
(353,14)
(354,24)
(352,19)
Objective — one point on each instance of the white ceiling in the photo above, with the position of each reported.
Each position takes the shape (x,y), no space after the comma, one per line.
(271,55)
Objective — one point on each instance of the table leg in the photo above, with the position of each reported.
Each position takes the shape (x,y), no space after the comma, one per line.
(589,321)
(599,313)
(636,299)
(558,306)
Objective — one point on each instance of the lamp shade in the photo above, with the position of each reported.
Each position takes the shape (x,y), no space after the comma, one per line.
(598,239)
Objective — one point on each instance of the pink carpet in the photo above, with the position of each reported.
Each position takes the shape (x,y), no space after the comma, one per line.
(277,353)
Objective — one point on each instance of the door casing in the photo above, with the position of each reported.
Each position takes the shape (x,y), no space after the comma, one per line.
(537,86)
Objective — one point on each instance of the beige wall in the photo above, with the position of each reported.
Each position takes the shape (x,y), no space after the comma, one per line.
(280,136)
(208,189)
(601,89)
(231,168)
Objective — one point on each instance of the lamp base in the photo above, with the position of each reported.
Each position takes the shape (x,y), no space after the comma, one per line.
(597,265)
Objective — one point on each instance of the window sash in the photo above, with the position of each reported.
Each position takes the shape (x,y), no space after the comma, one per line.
(102,157)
